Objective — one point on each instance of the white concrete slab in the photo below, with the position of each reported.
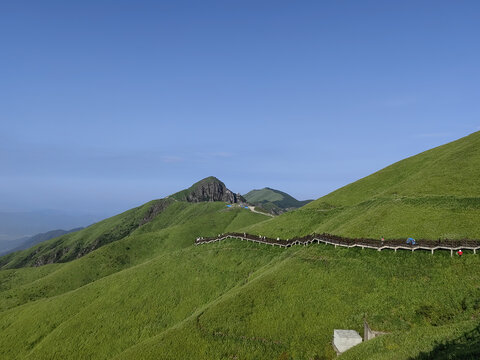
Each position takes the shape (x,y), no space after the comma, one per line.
(345,339)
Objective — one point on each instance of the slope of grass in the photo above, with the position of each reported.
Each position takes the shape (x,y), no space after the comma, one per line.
(247,300)
(448,170)
(38,238)
(100,319)
(74,245)
(401,218)
(319,289)
(433,195)
(454,341)
(173,229)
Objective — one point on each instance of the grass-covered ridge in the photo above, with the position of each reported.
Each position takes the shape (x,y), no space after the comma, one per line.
(273,201)
(268,197)
(435,194)
(74,245)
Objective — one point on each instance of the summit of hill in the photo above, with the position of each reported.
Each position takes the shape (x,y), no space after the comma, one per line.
(208,189)
(274,201)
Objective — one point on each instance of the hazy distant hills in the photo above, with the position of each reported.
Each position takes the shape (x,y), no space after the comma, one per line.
(274,201)
(29,241)
(16,225)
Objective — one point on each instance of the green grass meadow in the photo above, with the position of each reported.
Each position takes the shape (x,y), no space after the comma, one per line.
(169,299)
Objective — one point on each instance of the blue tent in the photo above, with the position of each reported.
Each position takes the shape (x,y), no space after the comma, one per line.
(229,205)
(411,241)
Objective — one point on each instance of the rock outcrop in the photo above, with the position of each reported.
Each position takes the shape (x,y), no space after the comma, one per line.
(208,189)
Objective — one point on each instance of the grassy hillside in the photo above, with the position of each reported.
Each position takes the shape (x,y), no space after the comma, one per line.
(173,229)
(30,241)
(432,195)
(74,245)
(151,294)
(155,295)
(274,201)
(173,300)
(448,170)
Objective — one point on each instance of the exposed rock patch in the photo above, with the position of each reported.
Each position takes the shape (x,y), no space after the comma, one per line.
(208,189)
(157,207)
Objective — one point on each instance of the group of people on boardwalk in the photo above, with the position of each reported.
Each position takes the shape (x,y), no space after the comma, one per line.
(454,246)
(411,241)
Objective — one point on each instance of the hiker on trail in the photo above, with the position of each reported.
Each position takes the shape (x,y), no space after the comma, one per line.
(383,239)
(411,241)
(460,252)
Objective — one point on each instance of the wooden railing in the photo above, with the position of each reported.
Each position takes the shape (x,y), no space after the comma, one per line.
(431,245)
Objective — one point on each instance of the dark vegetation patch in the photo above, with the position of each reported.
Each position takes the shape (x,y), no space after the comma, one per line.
(465,347)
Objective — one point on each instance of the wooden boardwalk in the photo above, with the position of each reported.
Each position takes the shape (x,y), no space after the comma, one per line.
(429,245)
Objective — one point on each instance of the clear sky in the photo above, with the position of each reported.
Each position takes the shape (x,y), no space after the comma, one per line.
(105,105)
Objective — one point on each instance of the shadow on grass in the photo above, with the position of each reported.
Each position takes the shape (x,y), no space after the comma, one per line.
(465,347)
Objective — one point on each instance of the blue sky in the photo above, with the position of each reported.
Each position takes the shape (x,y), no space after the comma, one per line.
(105,105)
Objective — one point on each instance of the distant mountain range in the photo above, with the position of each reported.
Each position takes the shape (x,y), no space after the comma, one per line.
(29,241)
(273,201)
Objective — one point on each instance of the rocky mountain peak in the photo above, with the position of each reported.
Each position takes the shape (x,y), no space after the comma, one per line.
(208,189)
